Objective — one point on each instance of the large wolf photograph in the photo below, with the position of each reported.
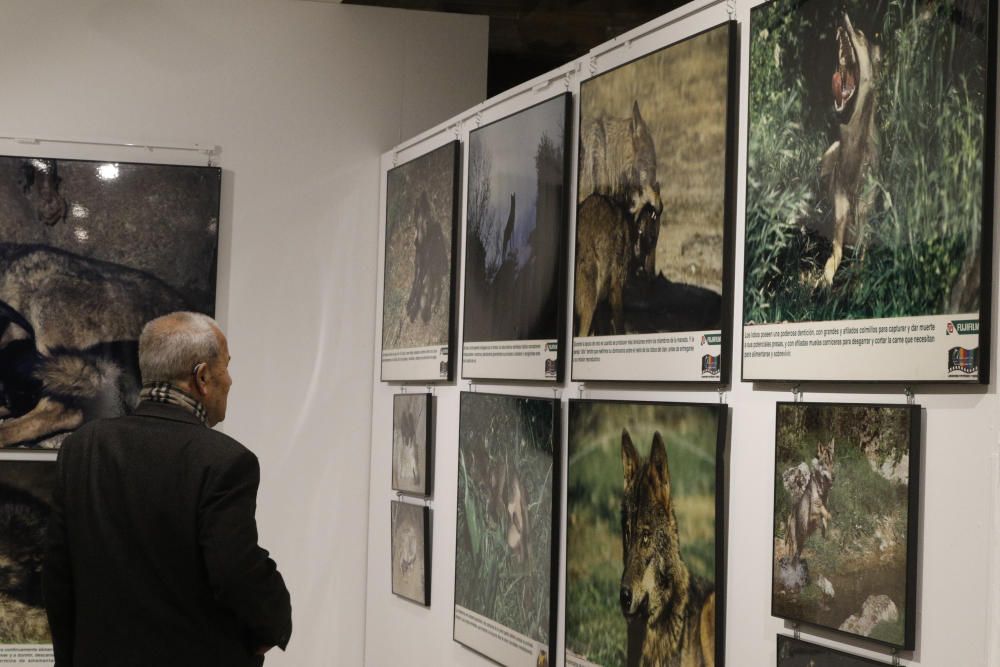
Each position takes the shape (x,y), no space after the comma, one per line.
(421,205)
(506,560)
(89,252)
(652,191)
(645,536)
(797,653)
(845,518)
(412,442)
(411,542)
(516,224)
(867,159)
(25,503)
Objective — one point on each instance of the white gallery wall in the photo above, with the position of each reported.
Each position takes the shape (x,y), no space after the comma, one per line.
(958,587)
(302,97)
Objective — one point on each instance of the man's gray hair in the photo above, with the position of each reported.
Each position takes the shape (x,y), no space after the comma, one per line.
(172,345)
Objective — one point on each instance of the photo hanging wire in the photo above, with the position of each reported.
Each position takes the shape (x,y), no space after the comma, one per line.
(568,79)
(910,396)
(430,389)
(731,9)
(797,393)
(796,632)
(580,387)
(722,395)
(209,151)
(895,657)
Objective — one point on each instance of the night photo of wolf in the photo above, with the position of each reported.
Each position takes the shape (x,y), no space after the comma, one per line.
(868,157)
(91,251)
(845,518)
(516,225)
(645,544)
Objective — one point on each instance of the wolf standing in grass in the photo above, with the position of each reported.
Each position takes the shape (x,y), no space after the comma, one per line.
(670,612)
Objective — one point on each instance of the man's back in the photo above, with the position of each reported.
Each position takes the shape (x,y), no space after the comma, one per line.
(157,512)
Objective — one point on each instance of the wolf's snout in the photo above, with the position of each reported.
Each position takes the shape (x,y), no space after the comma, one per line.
(626,599)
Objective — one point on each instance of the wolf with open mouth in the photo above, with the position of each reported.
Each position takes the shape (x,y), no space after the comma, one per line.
(848,160)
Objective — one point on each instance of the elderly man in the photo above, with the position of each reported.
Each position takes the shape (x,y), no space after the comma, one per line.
(152,552)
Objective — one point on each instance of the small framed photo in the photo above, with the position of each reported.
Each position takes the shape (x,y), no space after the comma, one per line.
(846,498)
(413,444)
(797,653)
(411,552)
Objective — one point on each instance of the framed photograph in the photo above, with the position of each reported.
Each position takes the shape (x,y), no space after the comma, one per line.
(869,204)
(411,552)
(515,245)
(413,444)
(654,215)
(421,245)
(25,503)
(92,251)
(797,653)
(645,542)
(507,532)
(846,497)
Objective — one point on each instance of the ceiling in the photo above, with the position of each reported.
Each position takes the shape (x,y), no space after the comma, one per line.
(531,37)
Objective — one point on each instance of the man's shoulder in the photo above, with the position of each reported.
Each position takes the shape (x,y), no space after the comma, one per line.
(217,445)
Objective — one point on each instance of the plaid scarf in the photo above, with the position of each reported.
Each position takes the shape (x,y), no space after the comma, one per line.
(164,392)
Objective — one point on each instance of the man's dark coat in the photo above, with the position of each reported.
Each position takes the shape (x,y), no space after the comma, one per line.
(152,555)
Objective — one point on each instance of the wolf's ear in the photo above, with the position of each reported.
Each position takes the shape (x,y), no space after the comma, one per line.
(630,459)
(636,124)
(658,464)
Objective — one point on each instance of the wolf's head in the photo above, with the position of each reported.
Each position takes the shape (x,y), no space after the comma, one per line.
(647,232)
(823,464)
(853,78)
(654,574)
(646,187)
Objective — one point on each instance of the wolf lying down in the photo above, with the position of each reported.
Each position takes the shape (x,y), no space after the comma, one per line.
(69,328)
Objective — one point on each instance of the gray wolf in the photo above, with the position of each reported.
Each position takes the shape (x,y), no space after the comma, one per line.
(809,488)
(670,612)
(508,230)
(610,248)
(430,263)
(68,332)
(618,159)
(846,163)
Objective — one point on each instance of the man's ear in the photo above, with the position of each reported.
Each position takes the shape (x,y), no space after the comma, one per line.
(201,378)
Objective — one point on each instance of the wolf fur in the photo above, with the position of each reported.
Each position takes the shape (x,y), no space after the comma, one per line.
(846,163)
(670,612)
(618,159)
(809,488)
(409,473)
(610,248)
(69,328)
(509,503)
(430,263)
